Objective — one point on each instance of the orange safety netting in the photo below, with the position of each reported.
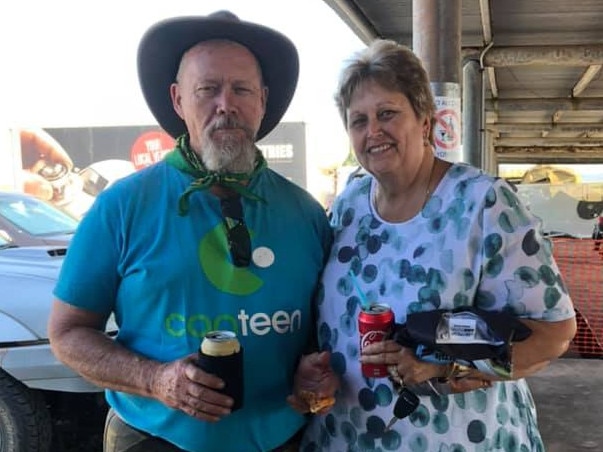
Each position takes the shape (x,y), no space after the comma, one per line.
(581,265)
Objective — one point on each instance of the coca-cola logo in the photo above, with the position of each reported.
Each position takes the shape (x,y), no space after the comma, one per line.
(371,337)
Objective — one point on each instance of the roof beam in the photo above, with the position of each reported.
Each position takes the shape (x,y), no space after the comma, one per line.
(353,17)
(521,130)
(585,104)
(506,126)
(548,155)
(589,74)
(574,55)
(548,142)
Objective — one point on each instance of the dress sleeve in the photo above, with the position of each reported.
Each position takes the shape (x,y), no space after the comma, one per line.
(519,273)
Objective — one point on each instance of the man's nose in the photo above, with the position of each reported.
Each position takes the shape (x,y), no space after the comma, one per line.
(225,102)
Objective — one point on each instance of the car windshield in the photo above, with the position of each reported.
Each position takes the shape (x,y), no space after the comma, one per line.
(37,217)
(4,242)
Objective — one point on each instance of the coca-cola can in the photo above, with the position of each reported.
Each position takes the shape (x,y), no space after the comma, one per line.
(374,325)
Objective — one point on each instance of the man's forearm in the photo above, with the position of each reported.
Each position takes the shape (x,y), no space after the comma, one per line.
(105,362)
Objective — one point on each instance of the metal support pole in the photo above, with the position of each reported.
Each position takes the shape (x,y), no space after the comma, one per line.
(436,40)
(491,157)
(473,114)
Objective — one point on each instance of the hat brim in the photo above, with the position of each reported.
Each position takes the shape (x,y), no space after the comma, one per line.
(162,46)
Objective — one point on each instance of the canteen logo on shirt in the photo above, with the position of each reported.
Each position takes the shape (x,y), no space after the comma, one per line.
(244,324)
(219,270)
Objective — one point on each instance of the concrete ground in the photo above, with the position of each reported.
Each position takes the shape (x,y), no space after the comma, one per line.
(569,400)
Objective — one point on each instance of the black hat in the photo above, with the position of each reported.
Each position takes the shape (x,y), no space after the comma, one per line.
(162,46)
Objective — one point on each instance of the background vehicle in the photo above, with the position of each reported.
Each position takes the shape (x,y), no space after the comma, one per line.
(94,179)
(598,230)
(44,406)
(27,220)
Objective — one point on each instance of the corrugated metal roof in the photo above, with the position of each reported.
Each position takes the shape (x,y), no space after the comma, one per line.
(545,61)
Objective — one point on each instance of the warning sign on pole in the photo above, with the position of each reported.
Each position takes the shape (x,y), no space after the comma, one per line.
(447,128)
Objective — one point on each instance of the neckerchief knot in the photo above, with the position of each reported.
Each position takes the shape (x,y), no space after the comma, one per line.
(182,157)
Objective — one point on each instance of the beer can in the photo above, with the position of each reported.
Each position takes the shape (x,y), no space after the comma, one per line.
(374,325)
(221,354)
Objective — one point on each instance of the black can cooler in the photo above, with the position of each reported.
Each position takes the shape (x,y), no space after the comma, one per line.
(221,354)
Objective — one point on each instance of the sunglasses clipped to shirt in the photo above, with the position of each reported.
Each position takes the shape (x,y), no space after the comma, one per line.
(237,234)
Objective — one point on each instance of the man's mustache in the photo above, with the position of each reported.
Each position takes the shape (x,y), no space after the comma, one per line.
(229,122)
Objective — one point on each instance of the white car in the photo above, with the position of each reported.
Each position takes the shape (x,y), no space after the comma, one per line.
(91,181)
(42,402)
(28,221)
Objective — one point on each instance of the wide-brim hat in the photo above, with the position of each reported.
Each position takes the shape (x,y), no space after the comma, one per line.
(163,45)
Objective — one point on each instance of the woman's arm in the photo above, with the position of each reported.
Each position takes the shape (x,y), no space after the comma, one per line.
(548,341)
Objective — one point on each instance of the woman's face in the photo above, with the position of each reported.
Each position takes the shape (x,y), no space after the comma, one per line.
(386,134)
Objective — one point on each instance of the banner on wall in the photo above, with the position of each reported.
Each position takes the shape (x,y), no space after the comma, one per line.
(70,166)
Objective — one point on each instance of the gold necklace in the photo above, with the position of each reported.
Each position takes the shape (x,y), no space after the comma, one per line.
(428,190)
(374,196)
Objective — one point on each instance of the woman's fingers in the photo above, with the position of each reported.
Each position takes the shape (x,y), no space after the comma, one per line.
(377,348)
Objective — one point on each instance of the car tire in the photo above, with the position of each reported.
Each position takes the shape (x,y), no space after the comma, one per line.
(25,424)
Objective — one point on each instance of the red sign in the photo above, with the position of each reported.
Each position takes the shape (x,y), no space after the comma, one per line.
(150,147)
(447,129)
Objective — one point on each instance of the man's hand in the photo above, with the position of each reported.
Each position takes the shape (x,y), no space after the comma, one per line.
(184,386)
(314,385)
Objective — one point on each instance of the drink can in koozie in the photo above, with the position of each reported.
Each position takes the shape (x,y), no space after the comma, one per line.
(221,354)
(374,325)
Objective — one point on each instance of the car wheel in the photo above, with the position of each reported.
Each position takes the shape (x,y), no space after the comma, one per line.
(25,424)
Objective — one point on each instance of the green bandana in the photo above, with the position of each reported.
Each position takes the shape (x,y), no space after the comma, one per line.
(182,157)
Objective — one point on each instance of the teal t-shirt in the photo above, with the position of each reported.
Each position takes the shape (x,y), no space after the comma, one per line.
(169,279)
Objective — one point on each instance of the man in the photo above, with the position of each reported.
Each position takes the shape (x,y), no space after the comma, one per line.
(208,239)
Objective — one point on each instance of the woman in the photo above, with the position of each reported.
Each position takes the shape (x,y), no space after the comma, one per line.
(419,234)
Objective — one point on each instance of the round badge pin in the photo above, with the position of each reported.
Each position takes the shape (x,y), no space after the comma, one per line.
(263,257)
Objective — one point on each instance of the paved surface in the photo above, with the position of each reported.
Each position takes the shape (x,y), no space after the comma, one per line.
(569,400)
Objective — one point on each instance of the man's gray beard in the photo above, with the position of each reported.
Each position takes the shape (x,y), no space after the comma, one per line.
(230,155)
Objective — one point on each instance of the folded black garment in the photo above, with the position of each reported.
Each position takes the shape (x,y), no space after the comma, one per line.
(465,333)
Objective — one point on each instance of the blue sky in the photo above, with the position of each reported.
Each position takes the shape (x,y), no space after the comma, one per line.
(73,62)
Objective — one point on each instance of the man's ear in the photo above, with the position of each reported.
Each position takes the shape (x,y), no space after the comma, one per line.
(264,98)
(176,99)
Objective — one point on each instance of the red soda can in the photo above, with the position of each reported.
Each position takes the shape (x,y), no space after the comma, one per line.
(374,325)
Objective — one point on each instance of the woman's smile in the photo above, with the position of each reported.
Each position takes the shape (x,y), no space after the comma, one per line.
(380,149)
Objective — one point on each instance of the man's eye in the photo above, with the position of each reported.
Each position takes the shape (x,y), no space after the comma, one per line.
(207,88)
(242,90)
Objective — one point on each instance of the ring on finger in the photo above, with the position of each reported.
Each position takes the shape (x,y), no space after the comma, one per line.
(394,374)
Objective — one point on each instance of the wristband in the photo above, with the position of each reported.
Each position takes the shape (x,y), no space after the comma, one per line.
(455,370)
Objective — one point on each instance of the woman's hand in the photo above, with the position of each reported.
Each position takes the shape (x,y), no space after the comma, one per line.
(403,365)
(314,385)
(410,369)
